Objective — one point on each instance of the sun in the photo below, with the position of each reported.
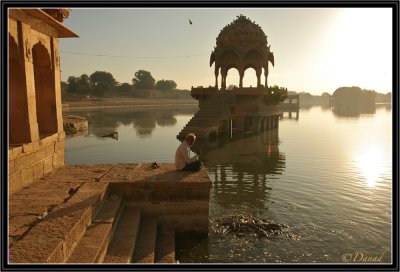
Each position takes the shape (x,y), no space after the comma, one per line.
(360,48)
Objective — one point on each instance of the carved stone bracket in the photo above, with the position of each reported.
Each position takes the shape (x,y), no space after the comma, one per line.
(28,52)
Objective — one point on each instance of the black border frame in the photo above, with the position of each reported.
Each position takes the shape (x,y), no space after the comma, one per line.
(200,4)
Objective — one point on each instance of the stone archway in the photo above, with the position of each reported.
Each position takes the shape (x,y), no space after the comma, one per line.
(18,110)
(44,90)
(250,77)
(232,78)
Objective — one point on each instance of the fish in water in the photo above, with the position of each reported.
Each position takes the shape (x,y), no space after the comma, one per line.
(113,135)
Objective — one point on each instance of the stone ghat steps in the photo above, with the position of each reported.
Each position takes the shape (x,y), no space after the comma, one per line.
(123,243)
(52,238)
(146,243)
(77,213)
(165,245)
(200,125)
(119,234)
(91,248)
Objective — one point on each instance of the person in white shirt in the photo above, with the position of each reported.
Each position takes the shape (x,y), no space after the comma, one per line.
(183,161)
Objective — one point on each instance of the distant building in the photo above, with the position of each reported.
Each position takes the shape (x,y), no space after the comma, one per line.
(36,136)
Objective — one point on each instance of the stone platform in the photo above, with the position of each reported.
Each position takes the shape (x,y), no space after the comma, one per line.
(49,218)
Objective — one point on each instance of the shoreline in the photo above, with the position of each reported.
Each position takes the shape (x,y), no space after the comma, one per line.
(127,102)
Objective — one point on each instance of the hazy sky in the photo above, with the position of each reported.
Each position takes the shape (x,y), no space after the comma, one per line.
(316,50)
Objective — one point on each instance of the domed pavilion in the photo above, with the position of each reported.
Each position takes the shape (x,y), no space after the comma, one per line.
(241,45)
(242,110)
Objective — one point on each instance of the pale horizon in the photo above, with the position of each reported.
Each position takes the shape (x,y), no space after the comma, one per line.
(316,50)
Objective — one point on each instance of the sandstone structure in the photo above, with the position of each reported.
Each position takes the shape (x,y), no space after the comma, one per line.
(36,136)
(240,45)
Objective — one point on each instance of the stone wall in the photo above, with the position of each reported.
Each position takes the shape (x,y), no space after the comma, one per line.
(32,161)
(181,205)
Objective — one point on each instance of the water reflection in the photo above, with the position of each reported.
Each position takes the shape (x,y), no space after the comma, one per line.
(242,168)
(353,111)
(370,164)
(143,120)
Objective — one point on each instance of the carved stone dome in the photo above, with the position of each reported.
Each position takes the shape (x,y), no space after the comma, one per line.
(241,32)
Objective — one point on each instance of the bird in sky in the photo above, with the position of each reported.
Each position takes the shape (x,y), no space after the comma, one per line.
(190,22)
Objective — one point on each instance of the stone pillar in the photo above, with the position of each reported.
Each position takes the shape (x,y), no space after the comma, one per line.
(27,60)
(257,124)
(241,75)
(55,59)
(258,73)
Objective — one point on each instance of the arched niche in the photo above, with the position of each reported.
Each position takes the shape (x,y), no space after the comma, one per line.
(44,91)
(19,131)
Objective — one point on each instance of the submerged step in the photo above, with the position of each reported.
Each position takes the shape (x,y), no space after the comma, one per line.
(124,239)
(92,246)
(146,242)
(165,246)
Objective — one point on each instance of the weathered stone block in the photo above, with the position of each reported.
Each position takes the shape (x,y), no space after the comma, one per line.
(50,149)
(27,175)
(54,137)
(13,153)
(38,170)
(48,140)
(73,237)
(58,146)
(15,182)
(48,164)
(58,254)
(61,136)
(27,148)
(58,159)
(40,154)
(158,196)
(37,145)
(25,161)
(11,167)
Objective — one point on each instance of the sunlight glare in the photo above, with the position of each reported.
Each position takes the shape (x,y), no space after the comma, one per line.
(369,162)
(361,48)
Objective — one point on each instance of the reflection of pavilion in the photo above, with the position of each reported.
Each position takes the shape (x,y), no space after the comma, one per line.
(242,167)
(242,110)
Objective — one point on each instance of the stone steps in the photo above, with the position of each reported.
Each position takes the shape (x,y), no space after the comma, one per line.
(52,239)
(91,248)
(165,245)
(123,243)
(77,214)
(145,245)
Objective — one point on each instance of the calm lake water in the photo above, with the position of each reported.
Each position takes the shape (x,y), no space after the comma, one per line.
(327,175)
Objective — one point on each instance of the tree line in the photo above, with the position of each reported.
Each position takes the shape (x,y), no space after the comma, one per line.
(101,83)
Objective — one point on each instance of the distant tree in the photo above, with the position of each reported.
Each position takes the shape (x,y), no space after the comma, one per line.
(124,89)
(84,84)
(102,83)
(100,89)
(165,85)
(64,86)
(72,84)
(326,94)
(275,95)
(351,95)
(143,80)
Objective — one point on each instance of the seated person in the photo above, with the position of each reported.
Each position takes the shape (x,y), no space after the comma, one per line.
(183,161)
